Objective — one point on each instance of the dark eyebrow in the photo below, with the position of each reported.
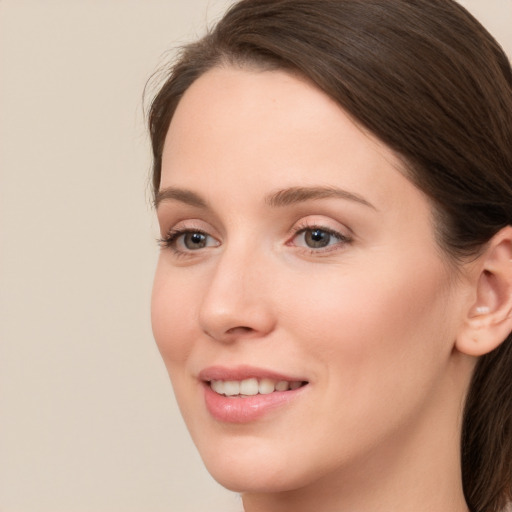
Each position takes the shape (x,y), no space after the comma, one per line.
(293,195)
(278,199)
(182,195)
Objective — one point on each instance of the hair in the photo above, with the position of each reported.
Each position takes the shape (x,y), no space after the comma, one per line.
(429,81)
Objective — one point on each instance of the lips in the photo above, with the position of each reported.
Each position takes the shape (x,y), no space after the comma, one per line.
(244,394)
(252,386)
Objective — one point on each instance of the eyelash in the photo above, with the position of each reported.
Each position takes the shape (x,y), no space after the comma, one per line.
(170,241)
(304,228)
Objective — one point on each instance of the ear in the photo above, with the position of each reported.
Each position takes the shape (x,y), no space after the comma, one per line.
(488,320)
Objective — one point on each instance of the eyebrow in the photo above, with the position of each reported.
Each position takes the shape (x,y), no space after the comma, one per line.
(181,195)
(294,195)
(277,199)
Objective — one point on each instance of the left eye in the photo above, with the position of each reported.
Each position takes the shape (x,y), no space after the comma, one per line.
(317,238)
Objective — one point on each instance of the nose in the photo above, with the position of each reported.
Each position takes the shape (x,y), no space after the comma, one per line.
(237,302)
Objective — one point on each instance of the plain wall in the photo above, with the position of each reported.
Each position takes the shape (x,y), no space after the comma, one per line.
(87,418)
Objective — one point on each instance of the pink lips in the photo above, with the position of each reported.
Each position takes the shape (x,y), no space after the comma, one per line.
(242,372)
(245,409)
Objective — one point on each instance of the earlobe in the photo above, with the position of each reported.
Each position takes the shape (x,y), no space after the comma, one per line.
(488,321)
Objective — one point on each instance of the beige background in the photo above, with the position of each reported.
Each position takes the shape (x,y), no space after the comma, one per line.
(88,422)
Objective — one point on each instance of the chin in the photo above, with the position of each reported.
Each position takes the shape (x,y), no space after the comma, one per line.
(254,479)
(256,467)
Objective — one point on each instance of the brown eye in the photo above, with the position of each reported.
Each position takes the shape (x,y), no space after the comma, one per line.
(194,240)
(317,238)
(183,241)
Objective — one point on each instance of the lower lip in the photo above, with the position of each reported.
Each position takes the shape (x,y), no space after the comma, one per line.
(249,408)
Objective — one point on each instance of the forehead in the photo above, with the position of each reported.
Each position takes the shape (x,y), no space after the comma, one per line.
(261,103)
(271,129)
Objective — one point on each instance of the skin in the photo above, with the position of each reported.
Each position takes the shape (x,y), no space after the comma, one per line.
(370,320)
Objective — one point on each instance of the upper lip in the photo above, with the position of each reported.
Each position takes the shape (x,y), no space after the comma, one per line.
(243,372)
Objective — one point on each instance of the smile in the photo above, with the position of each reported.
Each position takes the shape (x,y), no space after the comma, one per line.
(244,394)
(252,387)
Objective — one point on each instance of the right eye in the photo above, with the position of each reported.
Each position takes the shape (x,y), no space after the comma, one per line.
(193,240)
(181,241)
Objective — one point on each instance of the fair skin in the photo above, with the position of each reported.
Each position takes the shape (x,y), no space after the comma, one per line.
(339,288)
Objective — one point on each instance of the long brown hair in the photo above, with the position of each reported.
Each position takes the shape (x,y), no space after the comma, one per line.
(428,80)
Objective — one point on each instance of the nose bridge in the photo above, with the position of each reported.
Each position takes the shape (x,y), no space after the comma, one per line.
(236,300)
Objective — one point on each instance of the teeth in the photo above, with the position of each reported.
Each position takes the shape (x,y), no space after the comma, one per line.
(217,386)
(266,386)
(282,385)
(251,387)
(231,387)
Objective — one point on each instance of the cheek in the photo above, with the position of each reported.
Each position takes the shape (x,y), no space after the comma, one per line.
(172,318)
(372,339)
(365,325)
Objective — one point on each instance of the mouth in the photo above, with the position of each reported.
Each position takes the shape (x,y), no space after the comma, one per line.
(244,394)
(252,386)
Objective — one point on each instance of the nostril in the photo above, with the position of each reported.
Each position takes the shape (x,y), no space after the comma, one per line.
(240,329)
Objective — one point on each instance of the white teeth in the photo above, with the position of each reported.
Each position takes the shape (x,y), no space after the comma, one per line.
(266,386)
(251,387)
(231,387)
(218,386)
(282,385)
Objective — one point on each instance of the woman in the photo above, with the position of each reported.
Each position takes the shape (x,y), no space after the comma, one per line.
(333,298)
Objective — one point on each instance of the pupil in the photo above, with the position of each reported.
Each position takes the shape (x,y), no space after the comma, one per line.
(317,238)
(195,241)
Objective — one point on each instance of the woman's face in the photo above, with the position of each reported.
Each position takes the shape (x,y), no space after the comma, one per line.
(300,277)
